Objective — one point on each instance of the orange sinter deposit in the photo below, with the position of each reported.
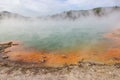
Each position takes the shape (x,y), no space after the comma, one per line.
(56,59)
(46,59)
(43,58)
(112,55)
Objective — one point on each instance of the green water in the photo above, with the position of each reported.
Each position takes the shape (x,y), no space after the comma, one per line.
(57,35)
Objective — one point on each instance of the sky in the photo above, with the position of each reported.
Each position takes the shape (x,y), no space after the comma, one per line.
(49,7)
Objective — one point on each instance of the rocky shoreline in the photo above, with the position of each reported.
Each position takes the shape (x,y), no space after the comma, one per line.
(82,71)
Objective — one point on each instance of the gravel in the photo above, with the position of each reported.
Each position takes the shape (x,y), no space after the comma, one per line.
(83,71)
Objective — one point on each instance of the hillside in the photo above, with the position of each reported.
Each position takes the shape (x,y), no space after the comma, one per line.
(71,15)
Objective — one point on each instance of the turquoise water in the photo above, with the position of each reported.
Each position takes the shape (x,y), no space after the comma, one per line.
(57,35)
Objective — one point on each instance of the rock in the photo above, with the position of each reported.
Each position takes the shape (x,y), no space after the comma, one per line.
(5,57)
(42,61)
(44,57)
(64,56)
(5,46)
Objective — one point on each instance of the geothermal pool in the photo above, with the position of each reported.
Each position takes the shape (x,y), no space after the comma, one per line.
(56,35)
(64,41)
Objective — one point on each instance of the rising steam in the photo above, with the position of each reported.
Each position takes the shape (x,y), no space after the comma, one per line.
(51,34)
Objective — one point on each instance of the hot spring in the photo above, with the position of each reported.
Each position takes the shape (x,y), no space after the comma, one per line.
(56,35)
(85,35)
